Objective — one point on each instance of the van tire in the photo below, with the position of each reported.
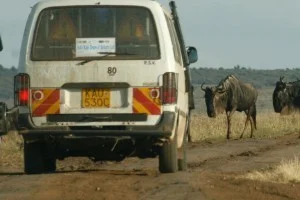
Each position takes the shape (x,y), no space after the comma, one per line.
(182,163)
(33,157)
(49,164)
(168,157)
(188,130)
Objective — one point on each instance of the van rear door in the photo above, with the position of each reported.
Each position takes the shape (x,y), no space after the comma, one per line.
(95,60)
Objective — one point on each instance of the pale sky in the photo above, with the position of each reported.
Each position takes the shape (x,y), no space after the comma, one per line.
(261,34)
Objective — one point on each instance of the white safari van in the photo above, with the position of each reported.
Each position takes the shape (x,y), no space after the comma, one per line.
(104,79)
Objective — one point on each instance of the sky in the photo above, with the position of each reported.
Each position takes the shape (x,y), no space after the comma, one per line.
(257,34)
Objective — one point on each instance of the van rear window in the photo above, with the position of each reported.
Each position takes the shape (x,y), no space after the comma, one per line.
(75,33)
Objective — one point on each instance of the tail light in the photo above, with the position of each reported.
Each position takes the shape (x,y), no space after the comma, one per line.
(21,85)
(169,88)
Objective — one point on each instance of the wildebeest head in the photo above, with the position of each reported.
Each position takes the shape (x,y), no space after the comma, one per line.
(214,99)
(280,96)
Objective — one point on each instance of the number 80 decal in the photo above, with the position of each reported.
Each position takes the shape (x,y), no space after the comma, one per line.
(111,71)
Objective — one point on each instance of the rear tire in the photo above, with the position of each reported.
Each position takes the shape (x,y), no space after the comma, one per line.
(49,164)
(182,163)
(168,157)
(37,158)
(33,157)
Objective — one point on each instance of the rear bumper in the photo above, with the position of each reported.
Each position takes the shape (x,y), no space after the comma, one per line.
(162,129)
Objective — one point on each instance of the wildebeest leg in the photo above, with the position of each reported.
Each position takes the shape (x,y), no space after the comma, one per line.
(246,122)
(252,119)
(252,126)
(228,115)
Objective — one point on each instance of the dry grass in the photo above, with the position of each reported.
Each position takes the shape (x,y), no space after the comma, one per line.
(11,148)
(288,171)
(269,124)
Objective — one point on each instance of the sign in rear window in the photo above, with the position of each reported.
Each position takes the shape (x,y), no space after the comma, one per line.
(88,47)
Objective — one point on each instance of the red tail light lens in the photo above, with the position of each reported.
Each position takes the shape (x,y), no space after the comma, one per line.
(22,84)
(169,89)
(23,96)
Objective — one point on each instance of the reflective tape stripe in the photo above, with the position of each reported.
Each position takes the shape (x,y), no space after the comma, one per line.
(48,104)
(144,103)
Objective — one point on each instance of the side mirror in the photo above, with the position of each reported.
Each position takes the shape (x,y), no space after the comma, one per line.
(3,119)
(192,54)
(1,46)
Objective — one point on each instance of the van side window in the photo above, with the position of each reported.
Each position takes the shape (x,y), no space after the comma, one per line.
(176,47)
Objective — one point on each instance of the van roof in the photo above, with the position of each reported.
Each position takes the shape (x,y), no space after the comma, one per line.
(52,3)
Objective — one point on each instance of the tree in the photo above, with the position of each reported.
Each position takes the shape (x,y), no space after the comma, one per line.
(13,68)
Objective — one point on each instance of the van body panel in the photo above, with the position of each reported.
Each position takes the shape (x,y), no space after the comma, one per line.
(112,75)
(56,74)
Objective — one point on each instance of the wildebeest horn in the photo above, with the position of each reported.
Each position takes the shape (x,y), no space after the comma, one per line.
(281,78)
(202,86)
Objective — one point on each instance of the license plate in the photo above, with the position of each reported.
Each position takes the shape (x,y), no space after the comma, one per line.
(95,98)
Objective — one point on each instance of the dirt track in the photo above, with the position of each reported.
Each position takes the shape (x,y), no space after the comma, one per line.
(212,174)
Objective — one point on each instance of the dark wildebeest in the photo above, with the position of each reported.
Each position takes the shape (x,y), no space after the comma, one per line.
(232,95)
(286,97)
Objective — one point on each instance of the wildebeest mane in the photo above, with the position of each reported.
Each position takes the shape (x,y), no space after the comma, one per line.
(226,83)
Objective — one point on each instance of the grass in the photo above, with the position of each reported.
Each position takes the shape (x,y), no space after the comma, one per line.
(287,172)
(11,148)
(269,124)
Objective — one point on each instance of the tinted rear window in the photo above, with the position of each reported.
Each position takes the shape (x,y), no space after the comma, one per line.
(72,33)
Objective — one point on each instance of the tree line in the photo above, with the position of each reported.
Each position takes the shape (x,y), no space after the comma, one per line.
(259,78)
(6,81)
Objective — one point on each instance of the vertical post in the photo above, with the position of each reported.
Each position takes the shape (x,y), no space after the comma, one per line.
(188,84)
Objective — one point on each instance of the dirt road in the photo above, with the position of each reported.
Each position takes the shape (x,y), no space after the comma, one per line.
(213,173)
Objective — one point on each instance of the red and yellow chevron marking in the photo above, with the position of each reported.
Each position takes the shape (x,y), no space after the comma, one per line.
(45,101)
(144,103)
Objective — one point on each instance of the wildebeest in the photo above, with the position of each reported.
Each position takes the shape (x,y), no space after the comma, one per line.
(286,96)
(232,95)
